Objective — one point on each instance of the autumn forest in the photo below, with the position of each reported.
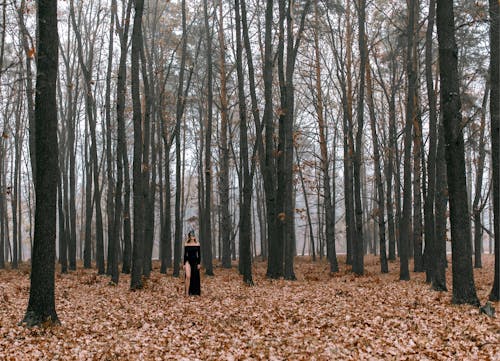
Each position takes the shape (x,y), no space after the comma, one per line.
(338,162)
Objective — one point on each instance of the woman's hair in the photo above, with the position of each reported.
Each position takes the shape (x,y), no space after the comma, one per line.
(191,235)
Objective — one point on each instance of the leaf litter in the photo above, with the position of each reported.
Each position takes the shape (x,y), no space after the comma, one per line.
(320,316)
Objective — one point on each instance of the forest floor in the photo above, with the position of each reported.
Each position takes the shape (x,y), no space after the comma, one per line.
(318,317)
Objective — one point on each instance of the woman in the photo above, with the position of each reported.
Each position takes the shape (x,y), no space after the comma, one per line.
(192,261)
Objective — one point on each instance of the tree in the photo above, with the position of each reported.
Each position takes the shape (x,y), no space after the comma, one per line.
(90,112)
(247,178)
(495,136)
(464,290)
(404,236)
(41,305)
(225,223)
(206,242)
(429,217)
(138,245)
(177,134)
(380,213)
(121,156)
(325,162)
(477,208)
(358,263)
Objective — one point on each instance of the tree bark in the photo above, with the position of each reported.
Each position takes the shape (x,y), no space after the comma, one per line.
(495,136)
(429,215)
(380,213)
(405,228)
(41,304)
(476,207)
(225,218)
(358,262)
(245,220)
(206,241)
(138,177)
(464,290)
(110,208)
(325,162)
(177,135)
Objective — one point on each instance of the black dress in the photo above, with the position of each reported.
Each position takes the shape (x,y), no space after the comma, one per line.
(192,255)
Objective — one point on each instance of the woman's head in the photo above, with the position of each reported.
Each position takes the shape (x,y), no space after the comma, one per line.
(191,235)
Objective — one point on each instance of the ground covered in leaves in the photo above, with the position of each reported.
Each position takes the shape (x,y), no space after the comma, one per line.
(318,317)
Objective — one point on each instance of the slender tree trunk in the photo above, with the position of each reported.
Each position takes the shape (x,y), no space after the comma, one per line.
(207,222)
(123,33)
(495,136)
(418,261)
(308,212)
(476,207)
(225,218)
(178,180)
(438,259)
(247,179)
(405,228)
(349,145)
(380,214)
(41,304)
(87,252)
(429,215)
(121,213)
(138,177)
(110,208)
(89,106)
(464,290)
(358,263)
(325,162)
(63,246)
(147,147)
(273,264)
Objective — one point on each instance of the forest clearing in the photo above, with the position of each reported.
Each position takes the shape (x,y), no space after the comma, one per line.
(317,317)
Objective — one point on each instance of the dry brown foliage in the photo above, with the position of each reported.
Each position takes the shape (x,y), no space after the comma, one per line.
(317,317)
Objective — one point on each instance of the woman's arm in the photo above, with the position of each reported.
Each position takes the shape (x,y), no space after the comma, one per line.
(185,255)
(198,255)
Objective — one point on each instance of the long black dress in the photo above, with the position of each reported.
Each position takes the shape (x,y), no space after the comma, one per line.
(192,255)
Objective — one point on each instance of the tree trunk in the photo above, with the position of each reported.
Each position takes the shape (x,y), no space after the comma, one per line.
(147,147)
(418,261)
(380,213)
(325,162)
(495,137)
(206,241)
(123,32)
(178,180)
(225,218)
(41,305)
(87,251)
(476,207)
(89,107)
(464,290)
(121,213)
(274,249)
(429,217)
(138,186)
(358,262)
(110,210)
(247,179)
(405,228)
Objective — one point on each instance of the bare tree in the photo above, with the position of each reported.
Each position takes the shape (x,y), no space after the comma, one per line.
(495,136)
(41,304)
(464,290)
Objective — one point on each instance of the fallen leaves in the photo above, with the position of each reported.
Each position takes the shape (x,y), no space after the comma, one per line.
(318,317)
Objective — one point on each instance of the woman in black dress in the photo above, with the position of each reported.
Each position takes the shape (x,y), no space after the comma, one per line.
(192,259)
